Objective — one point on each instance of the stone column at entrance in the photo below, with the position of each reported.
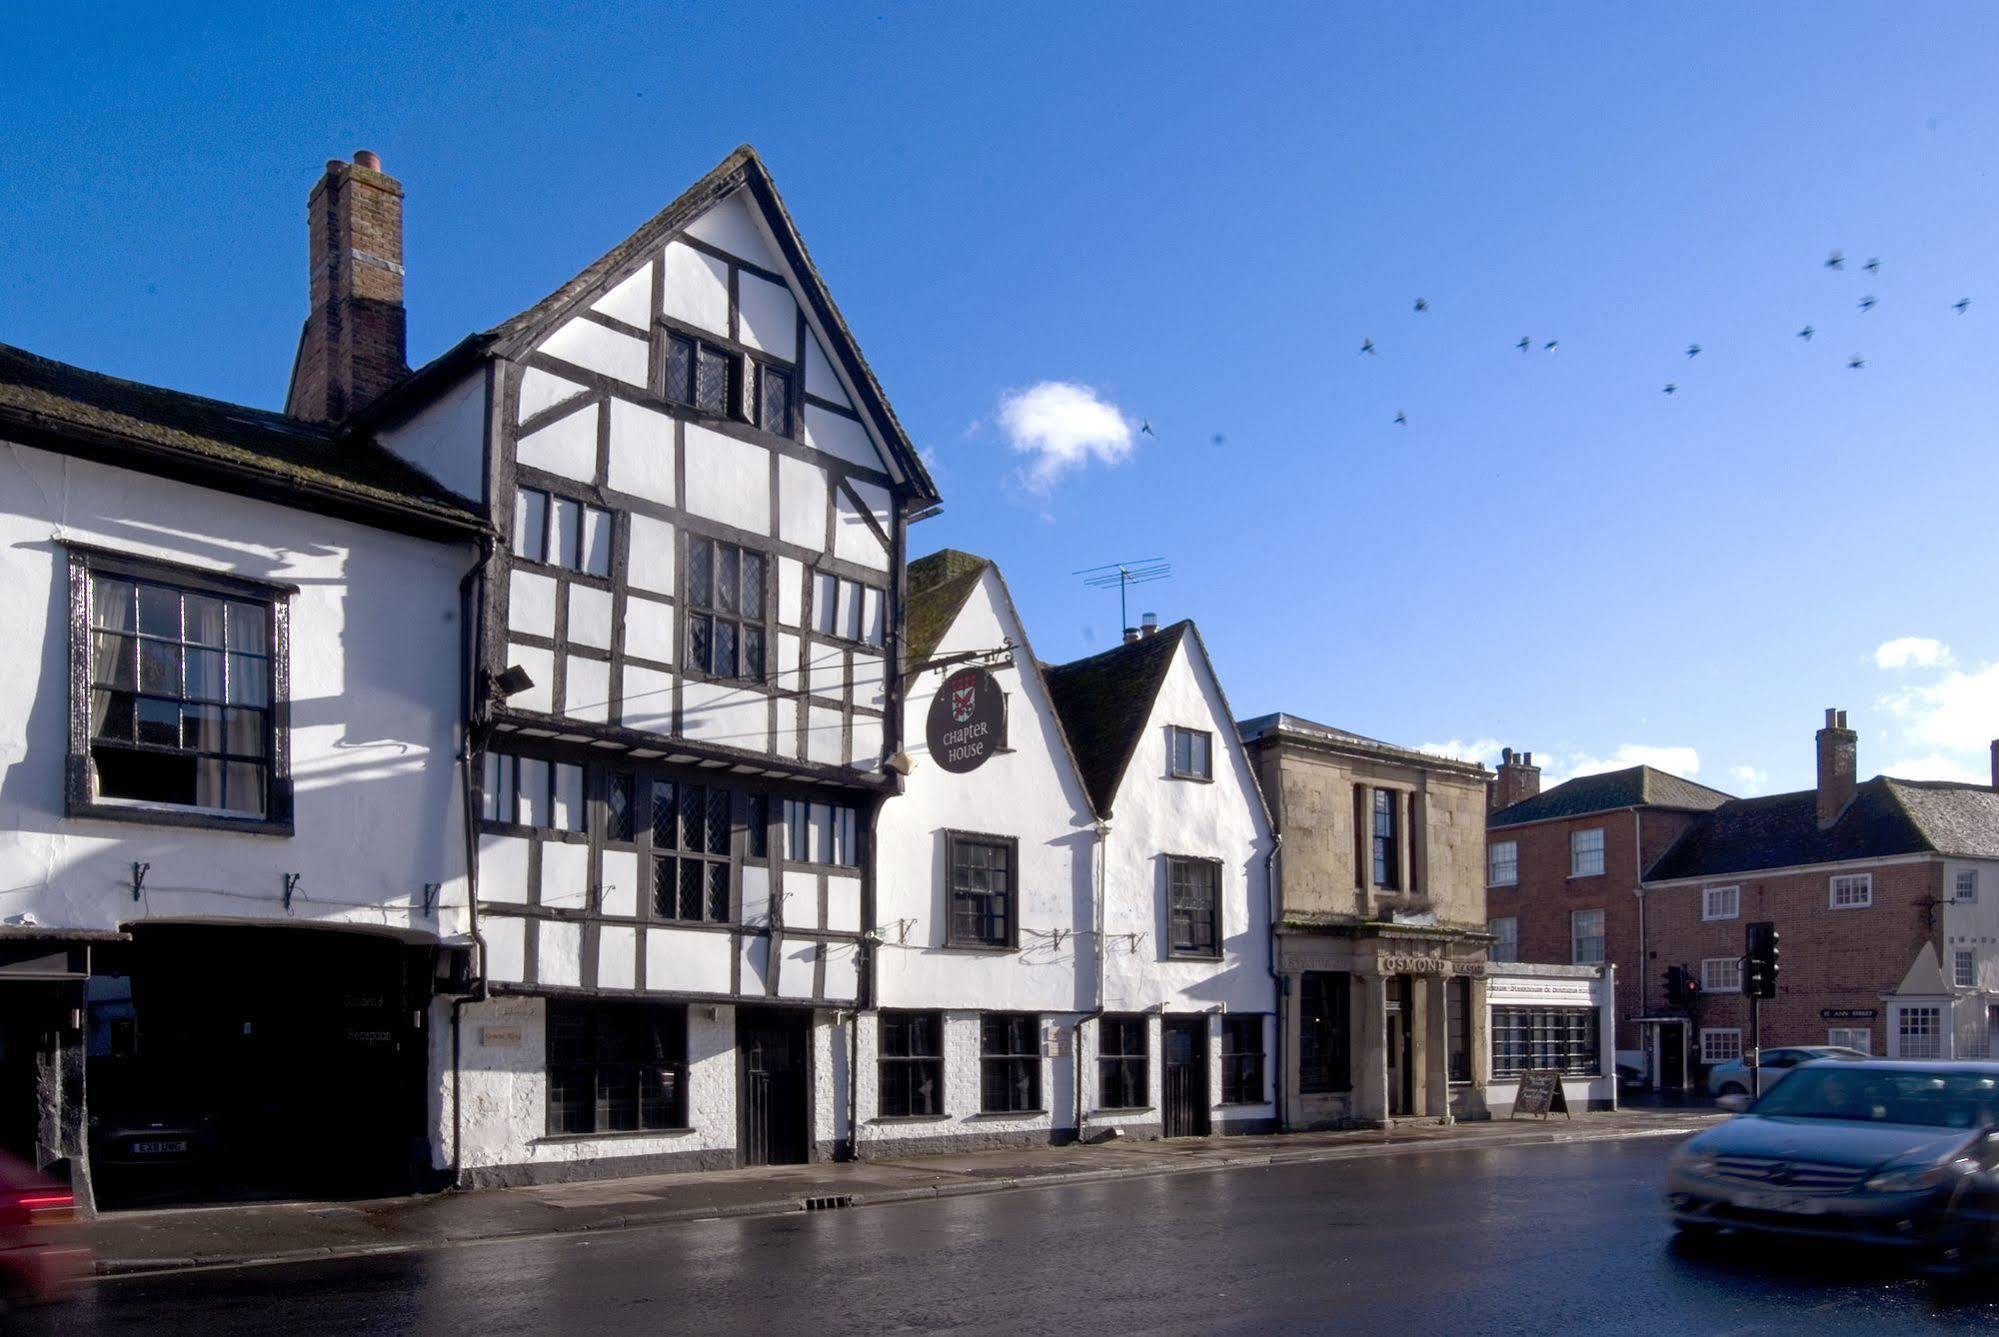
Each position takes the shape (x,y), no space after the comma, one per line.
(1436,1045)
(1481,1036)
(1370,1049)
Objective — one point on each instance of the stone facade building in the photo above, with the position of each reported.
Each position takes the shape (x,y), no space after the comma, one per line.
(1381,925)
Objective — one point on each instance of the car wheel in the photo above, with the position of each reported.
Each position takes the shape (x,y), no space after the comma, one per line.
(1733,1089)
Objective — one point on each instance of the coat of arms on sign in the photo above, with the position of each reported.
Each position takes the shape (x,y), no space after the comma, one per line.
(963,699)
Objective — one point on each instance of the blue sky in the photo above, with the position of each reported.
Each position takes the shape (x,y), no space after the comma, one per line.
(1196,214)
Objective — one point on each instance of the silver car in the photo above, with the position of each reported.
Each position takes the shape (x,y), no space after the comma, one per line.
(1896,1153)
(1735,1077)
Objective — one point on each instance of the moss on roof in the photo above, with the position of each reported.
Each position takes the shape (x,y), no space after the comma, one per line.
(144,426)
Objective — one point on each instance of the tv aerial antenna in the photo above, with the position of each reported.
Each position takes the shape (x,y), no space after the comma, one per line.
(1143,571)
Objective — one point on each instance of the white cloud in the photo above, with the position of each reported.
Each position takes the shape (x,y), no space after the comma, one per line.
(1560,766)
(1749,780)
(1933,766)
(1958,712)
(1062,426)
(1907,652)
(1482,750)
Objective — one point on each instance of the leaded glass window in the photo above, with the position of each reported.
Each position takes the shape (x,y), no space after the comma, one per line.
(725,600)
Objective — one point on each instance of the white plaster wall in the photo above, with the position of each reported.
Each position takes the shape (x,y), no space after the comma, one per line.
(504,1088)
(832,1075)
(1154,816)
(630,300)
(962,1115)
(567,446)
(696,288)
(728,480)
(1972,926)
(732,225)
(447,440)
(598,348)
(1030,793)
(374,650)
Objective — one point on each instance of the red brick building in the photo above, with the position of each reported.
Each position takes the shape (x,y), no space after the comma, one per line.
(1873,887)
(1563,870)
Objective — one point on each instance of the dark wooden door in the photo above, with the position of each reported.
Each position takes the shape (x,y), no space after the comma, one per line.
(775,1086)
(1395,1034)
(1672,1057)
(1186,1076)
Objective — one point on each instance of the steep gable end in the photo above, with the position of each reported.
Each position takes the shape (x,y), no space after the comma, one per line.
(1105,701)
(721,268)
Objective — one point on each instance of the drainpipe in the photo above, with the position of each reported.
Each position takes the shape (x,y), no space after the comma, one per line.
(1103,831)
(470,755)
(1279,1069)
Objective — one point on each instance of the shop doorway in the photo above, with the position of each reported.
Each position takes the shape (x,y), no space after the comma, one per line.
(1185,1041)
(21,1039)
(242,1063)
(776,1086)
(1672,1043)
(1395,1034)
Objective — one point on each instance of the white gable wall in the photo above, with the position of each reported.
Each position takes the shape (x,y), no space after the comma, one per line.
(447,439)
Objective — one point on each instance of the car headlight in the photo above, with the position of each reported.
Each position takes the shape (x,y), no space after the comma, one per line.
(1694,1163)
(1915,1178)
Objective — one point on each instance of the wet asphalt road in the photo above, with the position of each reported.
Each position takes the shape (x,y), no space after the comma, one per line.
(1527,1239)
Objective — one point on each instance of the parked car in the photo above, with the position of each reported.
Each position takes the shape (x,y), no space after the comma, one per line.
(1736,1078)
(1898,1154)
(41,1258)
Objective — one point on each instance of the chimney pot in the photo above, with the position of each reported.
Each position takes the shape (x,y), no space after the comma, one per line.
(1505,755)
(367,158)
(1518,779)
(1995,763)
(1130,635)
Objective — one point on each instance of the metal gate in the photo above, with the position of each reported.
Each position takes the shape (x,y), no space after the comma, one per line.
(756,1107)
(776,1085)
(1186,1044)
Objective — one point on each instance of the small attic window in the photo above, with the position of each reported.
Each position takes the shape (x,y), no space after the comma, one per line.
(698,375)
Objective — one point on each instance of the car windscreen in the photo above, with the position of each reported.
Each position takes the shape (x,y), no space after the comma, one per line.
(1875,1094)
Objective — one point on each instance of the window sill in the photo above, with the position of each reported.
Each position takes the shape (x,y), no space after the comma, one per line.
(620,1135)
(1192,956)
(139,814)
(1197,779)
(1124,1109)
(1240,1104)
(990,949)
(989,1116)
(910,1118)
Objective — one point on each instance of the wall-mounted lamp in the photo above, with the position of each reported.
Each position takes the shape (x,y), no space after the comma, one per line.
(901,763)
(513,680)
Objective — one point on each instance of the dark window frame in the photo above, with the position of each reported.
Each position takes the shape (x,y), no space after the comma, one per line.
(1384,847)
(1174,732)
(687,394)
(1177,864)
(80,798)
(1009,940)
(901,1071)
(757,396)
(1123,1070)
(1008,1069)
(1325,1032)
(695,614)
(1457,1028)
(1546,1036)
(714,889)
(1243,1066)
(538,543)
(608,1075)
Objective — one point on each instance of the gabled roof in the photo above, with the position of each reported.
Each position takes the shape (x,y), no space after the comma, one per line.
(1887,817)
(1281,725)
(938,587)
(1632,787)
(742,169)
(217,444)
(1104,702)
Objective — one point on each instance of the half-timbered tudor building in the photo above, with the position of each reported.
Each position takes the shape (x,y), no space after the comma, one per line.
(1075,934)
(688,687)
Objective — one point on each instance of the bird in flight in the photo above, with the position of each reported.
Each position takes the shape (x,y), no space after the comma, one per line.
(1867,302)
(1835,261)
(1367,345)
(1961,305)
(1550,346)
(1145,427)
(1401,419)
(1856,362)
(1422,304)
(1219,439)
(1872,266)
(1524,344)
(1693,350)
(1672,389)
(1806,333)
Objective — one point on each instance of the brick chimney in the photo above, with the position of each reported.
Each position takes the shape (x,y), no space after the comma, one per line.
(1518,778)
(353,347)
(1839,759)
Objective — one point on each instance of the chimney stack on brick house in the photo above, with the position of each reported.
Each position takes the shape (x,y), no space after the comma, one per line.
(1995,763)
(1518,778)
(353,347)
(1839,760)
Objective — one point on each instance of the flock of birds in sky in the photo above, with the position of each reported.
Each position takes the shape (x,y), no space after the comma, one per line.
(1525,344)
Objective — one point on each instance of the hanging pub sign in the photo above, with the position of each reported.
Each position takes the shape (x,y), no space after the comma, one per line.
(967,721)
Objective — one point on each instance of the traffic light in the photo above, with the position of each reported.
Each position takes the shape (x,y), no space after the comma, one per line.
(1759,959)
(1682,988)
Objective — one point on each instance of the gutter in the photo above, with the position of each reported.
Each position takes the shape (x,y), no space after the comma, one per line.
(469,755)
(1282,1065)
(1103,830)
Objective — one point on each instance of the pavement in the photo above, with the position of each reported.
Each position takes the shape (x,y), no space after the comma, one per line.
(1464,1236)
(175,1239)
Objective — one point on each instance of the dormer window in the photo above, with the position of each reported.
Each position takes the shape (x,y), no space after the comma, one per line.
(1192,754)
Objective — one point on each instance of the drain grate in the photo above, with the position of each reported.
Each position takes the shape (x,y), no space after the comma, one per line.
(829,1204)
